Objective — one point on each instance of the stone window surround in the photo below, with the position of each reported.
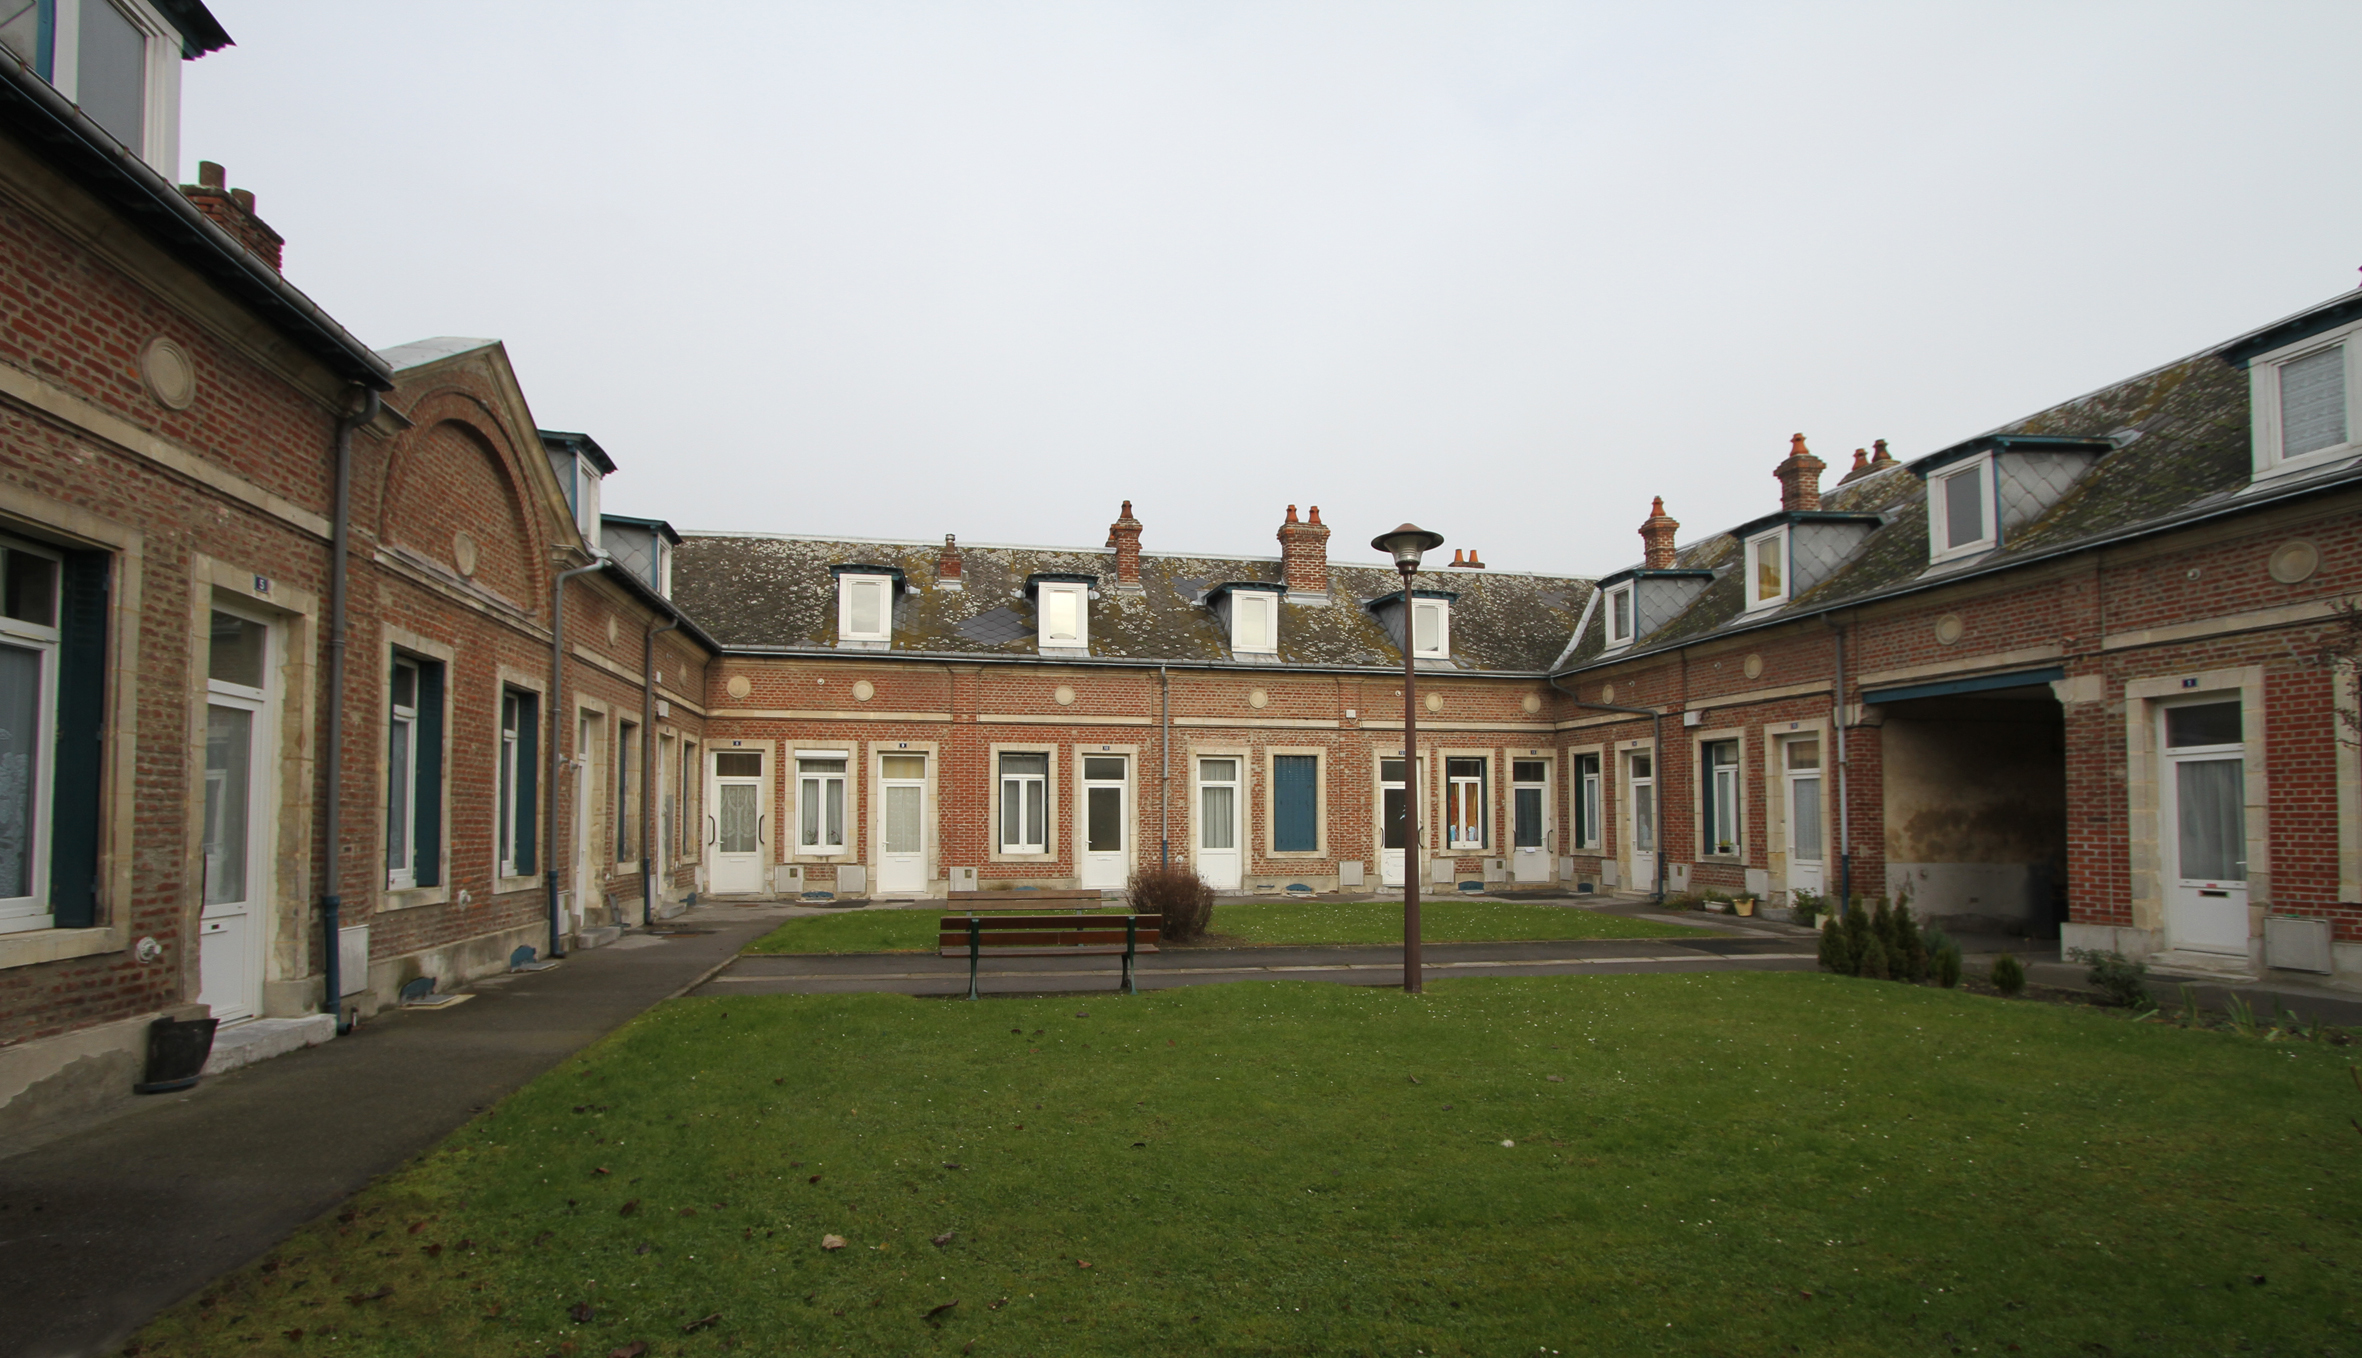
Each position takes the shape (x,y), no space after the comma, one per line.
(875,767)
(1320,803)
(992,831)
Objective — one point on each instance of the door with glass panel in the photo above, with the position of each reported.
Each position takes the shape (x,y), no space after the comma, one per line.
(1640,795)
(237,817)
(1106,848)
(1218,829)
(2205,832)
(902,839)
(28,714)
(1529,793)
(1807,844)
(1393,801)
(737,822)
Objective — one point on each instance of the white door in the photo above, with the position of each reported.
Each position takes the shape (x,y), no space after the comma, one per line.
(1529,794)
(237,819)
(736,826)
(1807,844)
(1392,802)
(1218,830)
(1640,796)
(2205,840)
(1106,848)
(902,840)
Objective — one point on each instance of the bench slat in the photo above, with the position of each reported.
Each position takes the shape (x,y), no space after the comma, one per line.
(1022,899)
(1107,950)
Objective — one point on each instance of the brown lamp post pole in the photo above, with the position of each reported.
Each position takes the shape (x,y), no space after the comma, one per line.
(1406,544)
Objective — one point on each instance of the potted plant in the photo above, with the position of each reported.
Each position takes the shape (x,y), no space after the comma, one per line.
(1744,905)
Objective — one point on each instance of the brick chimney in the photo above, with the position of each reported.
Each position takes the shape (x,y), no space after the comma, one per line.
(947,564)
(1800,477)
(1880,459)
(1124,537)
(1304,553)
(233,211)
(1860,468)
(1656,537)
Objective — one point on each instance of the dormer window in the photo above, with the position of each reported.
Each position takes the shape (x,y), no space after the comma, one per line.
(1062,609)
(1619,616)
(1254,620)
(1767,569)
(865,607)
(1960,517)
(2301,397)
(1431,629)
(117,60)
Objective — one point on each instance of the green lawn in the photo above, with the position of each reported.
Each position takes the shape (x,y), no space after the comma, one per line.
(1255,922)
(1727,1163)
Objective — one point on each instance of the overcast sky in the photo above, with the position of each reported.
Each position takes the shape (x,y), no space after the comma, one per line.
(898,270)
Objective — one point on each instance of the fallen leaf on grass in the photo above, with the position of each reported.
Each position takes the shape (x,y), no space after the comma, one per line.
(1555,1079)
(1082,1263)
(702,1323)
(813,1180)
(631,1350)
(581,1312)
(432,1251)
(1414,1079)
(417,1226)
(832,1242)
(996,1305)
(934,1317)
(628,1208)
(688,1211)
(379,1295)
(951,1164)
(295,1336)
(944,1239)
(602,1170)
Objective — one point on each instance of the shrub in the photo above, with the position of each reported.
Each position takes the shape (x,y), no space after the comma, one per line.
(1857,932)
(1808,905)
(2008,977)
(1943,956)
(1875,963)
(1882,925)
(1177,893)
(1911,950)
(2120,978)
(1837,952)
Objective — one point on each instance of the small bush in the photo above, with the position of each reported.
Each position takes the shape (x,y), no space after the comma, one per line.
(1177,893)
(2120,978)
(1875,965)
(1837,952)
(2008,977)
(1911,961)
(1882,926)
(1808,905)
(1857,932)
(1947,966)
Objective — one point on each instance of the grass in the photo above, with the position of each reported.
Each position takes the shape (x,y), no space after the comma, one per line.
(858,931)
(1723,1163)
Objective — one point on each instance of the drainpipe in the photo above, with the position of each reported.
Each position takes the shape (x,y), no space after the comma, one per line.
(557,716)
(648,771)
(1656,783)
(340,535)
(1845,837)
(1164,754)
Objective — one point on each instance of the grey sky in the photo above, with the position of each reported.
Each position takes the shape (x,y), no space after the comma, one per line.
(899,270)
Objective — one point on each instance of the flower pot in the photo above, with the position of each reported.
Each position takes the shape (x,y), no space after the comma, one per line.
(1744,905)
(177,1049)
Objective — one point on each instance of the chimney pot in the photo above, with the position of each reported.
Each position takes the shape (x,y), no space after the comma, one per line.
(1656,537)
(211,175)
(1124,536)
(1304,554)
(1880,459)
(1800,477)
(233,211)
(1316,514)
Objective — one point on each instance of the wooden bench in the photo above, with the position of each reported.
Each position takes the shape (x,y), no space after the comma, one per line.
(1026,900)
(978,936)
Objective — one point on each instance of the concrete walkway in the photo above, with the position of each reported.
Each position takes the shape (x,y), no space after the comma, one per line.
(101,1230)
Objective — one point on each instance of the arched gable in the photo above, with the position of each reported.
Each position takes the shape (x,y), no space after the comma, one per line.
(453,496)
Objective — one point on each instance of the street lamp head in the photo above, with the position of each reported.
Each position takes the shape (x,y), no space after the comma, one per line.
(1405,544)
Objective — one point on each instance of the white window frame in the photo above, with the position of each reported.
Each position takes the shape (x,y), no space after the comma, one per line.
(2263,374)
(1939,548)
(1774,541)
(1457,838)
(32,911)
(160,84)
(505,786)
(586,498)
(846,584)
(402,725)
(1588,803)
(1442,650)
(817,784)
(1005,785)
(1081,640)
(1626,594)
(1262,603)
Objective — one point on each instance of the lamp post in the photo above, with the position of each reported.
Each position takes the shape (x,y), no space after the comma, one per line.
(1406,544)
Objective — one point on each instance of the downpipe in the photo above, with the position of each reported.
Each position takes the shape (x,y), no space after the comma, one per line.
(340,536)
(557,717)
(648,778)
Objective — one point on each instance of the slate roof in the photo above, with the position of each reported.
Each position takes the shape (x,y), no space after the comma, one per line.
(775,593)
(2181,452)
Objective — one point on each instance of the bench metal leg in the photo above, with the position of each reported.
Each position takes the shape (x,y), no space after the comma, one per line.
(975,950)
(1131,941)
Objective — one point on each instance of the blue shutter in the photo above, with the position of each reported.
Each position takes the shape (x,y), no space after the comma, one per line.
(75,811)
(528,779)
(1295,798)
(426,863)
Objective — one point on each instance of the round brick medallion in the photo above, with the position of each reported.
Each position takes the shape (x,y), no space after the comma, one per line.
(171,377)
(1607,693)
(612,631)
(1532,703)
(739,686)
(1435,702)
(1949,628)
(2294,562)
(464,552)
(1064,695)
(1753,666)
(863,690)
(1258,698)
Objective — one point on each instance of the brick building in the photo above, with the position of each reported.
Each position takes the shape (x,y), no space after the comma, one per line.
(184,437)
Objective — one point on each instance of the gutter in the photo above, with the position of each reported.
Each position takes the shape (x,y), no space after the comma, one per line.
(95,161)
(1656,783)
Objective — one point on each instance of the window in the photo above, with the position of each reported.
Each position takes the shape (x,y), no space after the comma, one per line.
(1065,616)
(1025,803)
(1464,803)
(1960,509)
(96,54)
(29,644)
(1431,628)
(520,768)
(820,802)
(1767,569)
(414,775)
(865,608)
(2301,400)
(2204,747)
(1254,621)
(1619,616)
(1295,803)
(1718,818)
(627,792)
(1529,785)
(1587,801)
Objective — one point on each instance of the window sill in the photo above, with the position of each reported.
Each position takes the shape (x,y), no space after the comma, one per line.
(524,881)
(1294,855)
(815,855)
(407,898)
(864,644)
(36,946)
(2328,459)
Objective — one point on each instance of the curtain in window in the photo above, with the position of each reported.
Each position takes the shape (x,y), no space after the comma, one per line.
(2313,402)
(1295,803)
(2210,795)
(1804,818)
(20,747)
(229,776)
(734,813)
(1217,804)
(903,833)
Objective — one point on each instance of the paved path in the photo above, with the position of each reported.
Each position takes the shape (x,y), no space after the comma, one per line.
(923,974)
(101,1230)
